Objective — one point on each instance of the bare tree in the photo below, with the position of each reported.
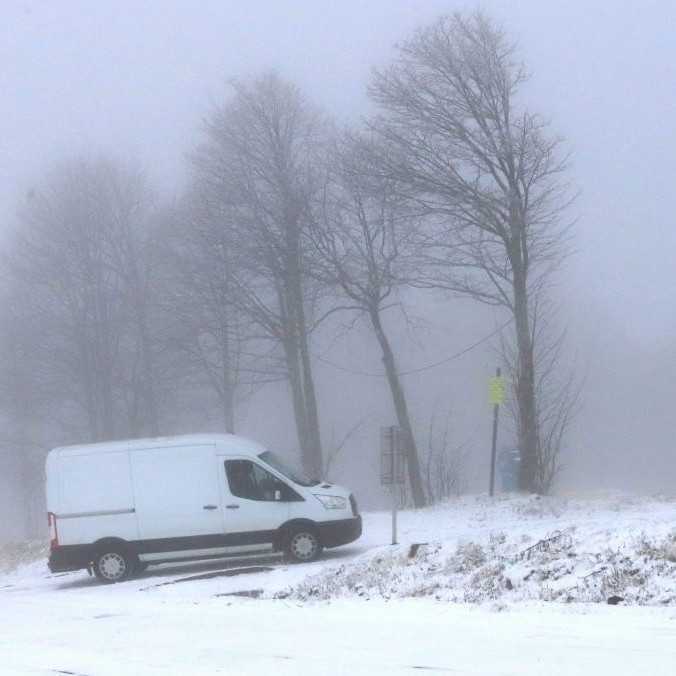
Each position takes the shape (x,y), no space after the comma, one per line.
(363,245)
(127,200)
(77,259)
(558,391)
(214,342)
(260,163)
(444,462)
(485,172)
(336,447)
(23,398)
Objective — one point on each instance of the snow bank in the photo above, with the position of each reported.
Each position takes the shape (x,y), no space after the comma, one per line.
(615,550)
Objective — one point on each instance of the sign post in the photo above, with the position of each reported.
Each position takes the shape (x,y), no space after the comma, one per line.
(392,467)
(496,397)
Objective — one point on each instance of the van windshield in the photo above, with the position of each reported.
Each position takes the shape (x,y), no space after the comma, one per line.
(295,475)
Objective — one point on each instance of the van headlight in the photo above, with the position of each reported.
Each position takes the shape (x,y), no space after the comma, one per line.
(332,501)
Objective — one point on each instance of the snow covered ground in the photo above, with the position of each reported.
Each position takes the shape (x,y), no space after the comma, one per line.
(185,620)
(515,549)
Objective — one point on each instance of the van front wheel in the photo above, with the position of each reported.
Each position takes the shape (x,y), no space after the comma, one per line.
(303,545)
(113,565)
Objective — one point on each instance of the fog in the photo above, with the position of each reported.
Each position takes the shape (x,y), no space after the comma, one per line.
(133,81)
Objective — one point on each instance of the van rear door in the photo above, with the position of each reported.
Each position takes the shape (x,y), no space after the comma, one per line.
(177,494)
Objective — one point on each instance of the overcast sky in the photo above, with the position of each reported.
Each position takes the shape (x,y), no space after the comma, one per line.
(135,78)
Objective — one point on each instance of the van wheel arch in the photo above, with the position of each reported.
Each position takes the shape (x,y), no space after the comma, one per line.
(111,541)
(119,543)
(114,545)
(285,530)
(298,535)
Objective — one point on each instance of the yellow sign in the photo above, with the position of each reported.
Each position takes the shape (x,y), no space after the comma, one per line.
(496,390)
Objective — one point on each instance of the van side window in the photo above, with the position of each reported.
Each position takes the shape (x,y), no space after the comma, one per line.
(249,480)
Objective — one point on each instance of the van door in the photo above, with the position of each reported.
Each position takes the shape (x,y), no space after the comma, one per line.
(256,502)
(177,495)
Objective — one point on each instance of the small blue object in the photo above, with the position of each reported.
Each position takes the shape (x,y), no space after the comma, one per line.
(509,461)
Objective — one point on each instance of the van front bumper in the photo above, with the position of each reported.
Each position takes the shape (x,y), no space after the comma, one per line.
(336,533)
(69,557)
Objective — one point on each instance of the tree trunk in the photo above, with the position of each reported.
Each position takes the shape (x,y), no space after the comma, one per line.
(32,493)
(310,443)
(150,403)
(401,409)
(227,387)
(103,358)
(304,407)
(229,409)
(298,400)
(525,389)
(314,460)
(228,398)
(138,296)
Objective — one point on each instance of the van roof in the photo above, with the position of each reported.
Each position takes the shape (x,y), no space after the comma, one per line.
(225,443)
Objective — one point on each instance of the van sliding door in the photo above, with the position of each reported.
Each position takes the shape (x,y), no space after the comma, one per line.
(177,497)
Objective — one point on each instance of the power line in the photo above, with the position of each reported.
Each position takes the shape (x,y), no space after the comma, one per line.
(462,352)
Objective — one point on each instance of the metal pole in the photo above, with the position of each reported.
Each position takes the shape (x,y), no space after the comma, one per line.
(395,449)
(394,515)
(496,414)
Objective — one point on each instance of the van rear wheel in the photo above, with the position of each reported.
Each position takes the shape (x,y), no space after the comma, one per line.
(303,545)
(113,564)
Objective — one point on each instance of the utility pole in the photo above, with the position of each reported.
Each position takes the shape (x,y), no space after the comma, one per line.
(497,396)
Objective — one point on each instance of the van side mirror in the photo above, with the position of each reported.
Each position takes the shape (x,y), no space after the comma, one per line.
(278,495)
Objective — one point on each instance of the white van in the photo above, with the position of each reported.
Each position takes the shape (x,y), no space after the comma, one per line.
(117,507)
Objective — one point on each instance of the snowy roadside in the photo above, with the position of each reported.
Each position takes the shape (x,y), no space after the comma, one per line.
(613,550)
(473,550)
(203,618)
